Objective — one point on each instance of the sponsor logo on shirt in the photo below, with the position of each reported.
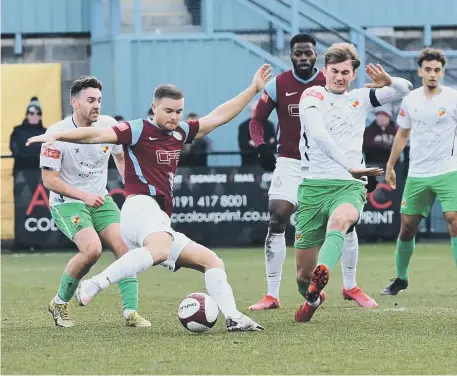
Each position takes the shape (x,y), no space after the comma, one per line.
(51,153)
(122,126)
(313,93)
(166,157)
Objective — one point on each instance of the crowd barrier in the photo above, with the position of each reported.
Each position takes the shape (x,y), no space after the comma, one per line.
(216,206)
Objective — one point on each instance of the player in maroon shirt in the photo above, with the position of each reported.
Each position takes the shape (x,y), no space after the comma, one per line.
(283,94)
(152,148)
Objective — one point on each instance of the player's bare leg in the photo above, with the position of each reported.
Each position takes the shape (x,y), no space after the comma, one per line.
(342,218)
(90,249)
(112,238)
(349,258)
(306,260)
(275,252)
(197,257)
(403,253)
(451,219)
(155,250)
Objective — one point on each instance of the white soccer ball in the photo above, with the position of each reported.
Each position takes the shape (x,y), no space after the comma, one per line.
(198,312)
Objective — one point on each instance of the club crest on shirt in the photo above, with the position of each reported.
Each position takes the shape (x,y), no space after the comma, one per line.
(105,148)
(354,102)
(441,111)
(75,219)
(177,135)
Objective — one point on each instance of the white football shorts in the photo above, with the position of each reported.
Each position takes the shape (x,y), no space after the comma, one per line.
(287,176)
(141,215)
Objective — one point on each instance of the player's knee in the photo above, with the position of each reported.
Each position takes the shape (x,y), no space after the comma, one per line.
(407,231)
(342,221)
(92,251)
(214,262)
(159,254)
(452,222)
(278,220)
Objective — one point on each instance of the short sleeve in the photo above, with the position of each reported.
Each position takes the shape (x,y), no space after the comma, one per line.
(51,156)
(117,149)
(190,128)
(403,119)
(124,133)
(312,97)
(270,91)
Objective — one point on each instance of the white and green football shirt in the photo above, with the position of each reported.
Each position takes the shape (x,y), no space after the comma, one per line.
(344,116)
(84,167)
(433,138)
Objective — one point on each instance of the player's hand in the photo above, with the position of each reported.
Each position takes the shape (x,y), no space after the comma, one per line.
(379,76)
(262,76)
(266,157)
(94,200)
(391,177)
(47,139)
(357,173)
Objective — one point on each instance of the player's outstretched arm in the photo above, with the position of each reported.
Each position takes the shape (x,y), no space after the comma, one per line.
(228,110)
(388,89)
(83,135)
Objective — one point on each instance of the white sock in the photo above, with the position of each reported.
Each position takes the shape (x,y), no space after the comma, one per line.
(58,300)
(127,312)
(316,303)
(275,253)
(349,259)
(134,261)
(219,289)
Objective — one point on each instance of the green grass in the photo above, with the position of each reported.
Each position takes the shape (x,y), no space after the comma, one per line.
(413,333)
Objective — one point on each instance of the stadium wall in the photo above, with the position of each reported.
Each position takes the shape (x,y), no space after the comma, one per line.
(236,15)
(45,16)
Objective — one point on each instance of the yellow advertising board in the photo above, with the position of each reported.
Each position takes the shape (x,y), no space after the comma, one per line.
(19,83)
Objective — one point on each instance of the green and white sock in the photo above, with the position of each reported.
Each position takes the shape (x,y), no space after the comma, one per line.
(67,288)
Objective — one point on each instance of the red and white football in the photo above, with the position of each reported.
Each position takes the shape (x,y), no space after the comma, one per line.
(198,312)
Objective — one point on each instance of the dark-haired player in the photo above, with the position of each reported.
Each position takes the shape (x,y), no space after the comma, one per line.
(428,116)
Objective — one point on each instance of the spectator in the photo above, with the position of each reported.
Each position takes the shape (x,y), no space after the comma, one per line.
(27,157)
(119,118)
(195,154)
(379,136)
(194,8)
(246,145)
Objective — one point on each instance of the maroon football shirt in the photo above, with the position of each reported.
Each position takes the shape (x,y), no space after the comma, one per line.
(152,156)
(283,93)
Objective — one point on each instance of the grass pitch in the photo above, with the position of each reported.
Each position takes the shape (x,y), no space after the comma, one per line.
(413,333)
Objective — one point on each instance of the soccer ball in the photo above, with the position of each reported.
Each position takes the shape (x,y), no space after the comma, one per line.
(198,312)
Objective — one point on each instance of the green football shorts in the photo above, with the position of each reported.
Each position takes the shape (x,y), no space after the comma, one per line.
(420,193)
(317,200)
(75,216)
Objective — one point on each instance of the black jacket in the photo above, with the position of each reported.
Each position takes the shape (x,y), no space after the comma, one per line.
(26,156)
